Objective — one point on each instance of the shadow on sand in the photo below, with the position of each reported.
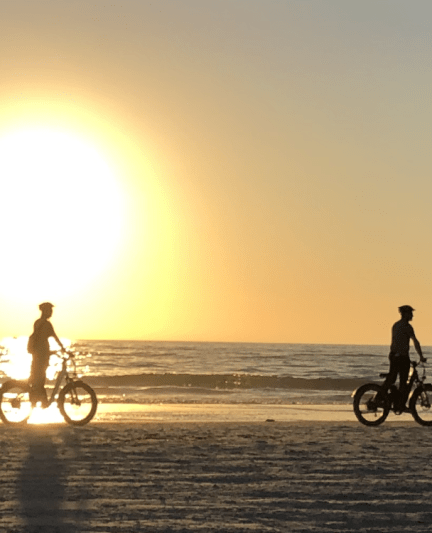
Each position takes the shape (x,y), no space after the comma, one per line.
(42,484)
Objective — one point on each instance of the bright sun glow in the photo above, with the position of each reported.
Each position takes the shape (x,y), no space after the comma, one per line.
(61,213)
(51,415)
(15,361)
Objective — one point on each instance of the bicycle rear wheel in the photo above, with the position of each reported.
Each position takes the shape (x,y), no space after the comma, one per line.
(15,404)
(371,404)
(421,405)
(77,403)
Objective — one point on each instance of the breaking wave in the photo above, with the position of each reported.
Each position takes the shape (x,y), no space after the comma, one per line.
(224,381)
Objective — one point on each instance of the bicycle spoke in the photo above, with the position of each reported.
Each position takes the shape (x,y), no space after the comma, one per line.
(371,407)
(15,404)
(421,405)
(77,403)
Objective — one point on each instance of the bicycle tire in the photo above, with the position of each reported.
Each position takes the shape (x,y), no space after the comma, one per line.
(77,403)
(15,404)
(371,404)
(421,405)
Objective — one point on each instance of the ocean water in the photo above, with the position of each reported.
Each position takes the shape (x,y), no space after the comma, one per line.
(227,373)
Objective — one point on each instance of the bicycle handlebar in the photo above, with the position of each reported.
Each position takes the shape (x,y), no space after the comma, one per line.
(60,353)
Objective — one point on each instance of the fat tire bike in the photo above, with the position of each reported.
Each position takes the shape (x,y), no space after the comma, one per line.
(77,401)
(372,402)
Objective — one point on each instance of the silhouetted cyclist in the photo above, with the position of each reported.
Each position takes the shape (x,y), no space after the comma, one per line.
(39,347)
(402,333)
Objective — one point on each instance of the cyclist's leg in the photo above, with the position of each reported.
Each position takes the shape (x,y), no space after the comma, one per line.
(393,372)
(404,368)
(37,379)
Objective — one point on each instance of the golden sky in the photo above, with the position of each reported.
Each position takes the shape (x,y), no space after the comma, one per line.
(230,170)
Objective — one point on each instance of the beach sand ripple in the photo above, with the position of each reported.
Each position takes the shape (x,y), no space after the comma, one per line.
(216,477)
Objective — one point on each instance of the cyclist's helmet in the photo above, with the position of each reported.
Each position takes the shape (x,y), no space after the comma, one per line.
(405,309)
(46,305)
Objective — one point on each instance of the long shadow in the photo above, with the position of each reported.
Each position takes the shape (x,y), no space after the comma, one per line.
(42,483)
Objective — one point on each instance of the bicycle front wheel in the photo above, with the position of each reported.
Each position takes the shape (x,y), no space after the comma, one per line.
(15,404)
(77,403)
(421,405)
(371,404)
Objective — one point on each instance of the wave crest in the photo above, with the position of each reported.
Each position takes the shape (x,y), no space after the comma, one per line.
(224,381)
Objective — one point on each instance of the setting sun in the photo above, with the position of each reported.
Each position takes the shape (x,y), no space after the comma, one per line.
(181,172)
(62,205)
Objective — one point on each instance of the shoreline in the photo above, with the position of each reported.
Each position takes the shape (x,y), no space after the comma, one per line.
(229,413)
(126,413)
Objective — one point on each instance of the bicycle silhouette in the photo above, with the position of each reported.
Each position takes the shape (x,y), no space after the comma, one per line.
(77,401)
(372,402)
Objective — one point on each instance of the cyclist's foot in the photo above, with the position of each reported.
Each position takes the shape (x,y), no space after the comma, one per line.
(400,410)
(43,403)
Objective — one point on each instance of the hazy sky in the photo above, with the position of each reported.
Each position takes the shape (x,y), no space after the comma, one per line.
(270,161)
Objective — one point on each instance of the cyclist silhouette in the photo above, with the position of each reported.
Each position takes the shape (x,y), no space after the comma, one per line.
(39,347)
(402,333)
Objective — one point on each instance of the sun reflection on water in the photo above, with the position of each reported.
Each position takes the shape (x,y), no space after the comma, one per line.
(15,361)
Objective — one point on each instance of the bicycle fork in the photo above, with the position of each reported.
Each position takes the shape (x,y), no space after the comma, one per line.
(74,397)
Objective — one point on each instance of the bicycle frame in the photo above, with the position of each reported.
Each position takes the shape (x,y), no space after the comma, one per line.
(415,379)
(63,373)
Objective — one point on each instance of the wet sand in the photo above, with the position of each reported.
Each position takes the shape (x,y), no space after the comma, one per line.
(127,472)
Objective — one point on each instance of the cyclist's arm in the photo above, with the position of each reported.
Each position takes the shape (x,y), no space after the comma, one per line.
(58,341)
(418,348)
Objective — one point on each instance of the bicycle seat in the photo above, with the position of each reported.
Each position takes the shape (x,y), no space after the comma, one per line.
(383,375)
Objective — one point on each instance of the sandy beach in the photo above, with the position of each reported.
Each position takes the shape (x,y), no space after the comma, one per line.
(215,476)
